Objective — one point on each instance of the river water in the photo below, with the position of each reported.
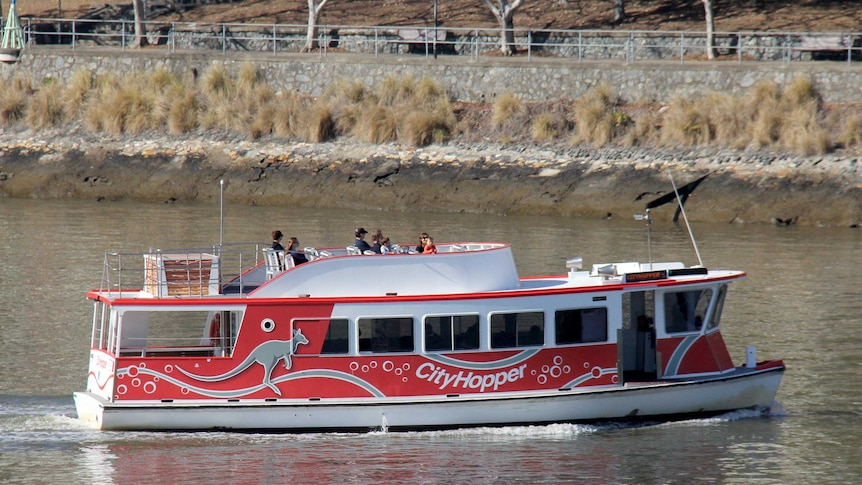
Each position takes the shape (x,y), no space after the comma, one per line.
(802,302)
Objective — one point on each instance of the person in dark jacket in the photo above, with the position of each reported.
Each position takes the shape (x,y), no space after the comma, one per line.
(277,236)
(360,240)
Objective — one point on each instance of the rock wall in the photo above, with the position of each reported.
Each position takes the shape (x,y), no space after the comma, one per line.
(466,78)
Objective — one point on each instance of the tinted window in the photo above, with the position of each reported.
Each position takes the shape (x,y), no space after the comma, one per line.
(385,334)
(517,329)
(581,325)
(456,332)
(684,311)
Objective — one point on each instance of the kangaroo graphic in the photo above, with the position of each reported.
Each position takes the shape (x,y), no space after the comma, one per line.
(266,354)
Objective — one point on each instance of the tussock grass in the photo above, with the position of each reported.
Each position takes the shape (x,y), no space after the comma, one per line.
(507,107)
(13,99)
(46,107)
(545,128)
(418,112)
(76,93)
(594,116)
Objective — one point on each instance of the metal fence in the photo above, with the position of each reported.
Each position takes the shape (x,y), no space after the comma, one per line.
(626,46)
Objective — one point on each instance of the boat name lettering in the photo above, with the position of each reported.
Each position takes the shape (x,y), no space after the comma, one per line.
(468,380)
(646,276)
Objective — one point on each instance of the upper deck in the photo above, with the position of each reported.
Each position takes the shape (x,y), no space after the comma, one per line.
(233,271)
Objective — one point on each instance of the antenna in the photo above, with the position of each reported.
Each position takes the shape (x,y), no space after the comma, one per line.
(646,217)
(221,214)
(687,225)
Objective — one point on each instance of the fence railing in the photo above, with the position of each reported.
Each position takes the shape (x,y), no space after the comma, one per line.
(627,46)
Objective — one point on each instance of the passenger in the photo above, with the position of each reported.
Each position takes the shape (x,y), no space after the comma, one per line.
(423,238)
(376,241)
(360,240)
(386,246)
(297,255)
(277,236)
(430,248)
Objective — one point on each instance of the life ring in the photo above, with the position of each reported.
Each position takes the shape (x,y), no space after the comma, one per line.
(215,329)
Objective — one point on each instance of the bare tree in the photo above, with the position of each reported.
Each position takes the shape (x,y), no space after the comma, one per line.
(710,28)
(140,28)
(314,9)
(503,11)
(619,11)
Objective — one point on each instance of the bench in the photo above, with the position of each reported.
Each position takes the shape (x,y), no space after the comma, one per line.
(830,46)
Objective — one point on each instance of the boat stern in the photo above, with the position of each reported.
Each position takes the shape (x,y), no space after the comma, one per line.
(90,408)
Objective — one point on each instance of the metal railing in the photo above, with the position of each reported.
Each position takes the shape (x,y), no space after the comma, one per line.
(626,46)
(145,271)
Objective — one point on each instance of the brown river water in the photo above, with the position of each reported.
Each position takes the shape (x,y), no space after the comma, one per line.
(801,302)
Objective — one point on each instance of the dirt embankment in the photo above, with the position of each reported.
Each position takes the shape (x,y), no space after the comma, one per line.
(482,178)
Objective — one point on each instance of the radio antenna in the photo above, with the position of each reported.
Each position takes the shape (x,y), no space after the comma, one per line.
(645,217)
(685,218)
(221,214)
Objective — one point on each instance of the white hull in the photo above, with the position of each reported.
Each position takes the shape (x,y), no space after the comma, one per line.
(739,389)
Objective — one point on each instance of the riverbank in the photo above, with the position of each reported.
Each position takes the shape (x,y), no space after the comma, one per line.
(743,187)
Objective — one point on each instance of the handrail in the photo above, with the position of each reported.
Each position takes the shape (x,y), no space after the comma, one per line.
(624,45)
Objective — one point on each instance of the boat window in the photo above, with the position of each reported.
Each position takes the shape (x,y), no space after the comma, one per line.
(521,329)
(385,334)
(183,333)
(715,318)
(581,325)
(453,332)
(324,335)
(685,310)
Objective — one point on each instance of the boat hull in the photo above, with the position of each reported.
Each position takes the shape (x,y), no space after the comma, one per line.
(741,388)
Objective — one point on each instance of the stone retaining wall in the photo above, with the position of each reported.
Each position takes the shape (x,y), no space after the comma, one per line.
(466,78)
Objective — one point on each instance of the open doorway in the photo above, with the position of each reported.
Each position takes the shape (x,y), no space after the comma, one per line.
(637,359)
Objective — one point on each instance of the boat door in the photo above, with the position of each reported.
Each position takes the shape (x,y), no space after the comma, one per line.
(636,353)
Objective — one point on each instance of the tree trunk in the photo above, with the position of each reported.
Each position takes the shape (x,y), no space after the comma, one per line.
(140,28)
(504,13)
(314,9)
(710,28)
(619,11)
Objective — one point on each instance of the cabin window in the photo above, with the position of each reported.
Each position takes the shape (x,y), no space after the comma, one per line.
(325,336)
(455,332)
(380,335)
(715,318)
(183,333)
(581,325)
(522,329)
(684,311)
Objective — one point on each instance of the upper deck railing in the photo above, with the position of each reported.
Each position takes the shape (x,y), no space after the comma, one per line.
(627,46)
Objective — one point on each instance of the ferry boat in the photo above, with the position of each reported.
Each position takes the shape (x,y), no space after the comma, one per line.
(234,338)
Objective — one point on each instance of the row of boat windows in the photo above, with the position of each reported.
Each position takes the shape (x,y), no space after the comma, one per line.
(684,312)
(461,332)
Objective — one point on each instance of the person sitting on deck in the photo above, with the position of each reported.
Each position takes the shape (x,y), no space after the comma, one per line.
(386,246)
(297,255)
(377,241)
(276,240)
(430,248)
(360,240)
(423,239)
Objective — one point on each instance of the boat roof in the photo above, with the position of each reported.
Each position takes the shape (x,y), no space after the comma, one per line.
(457,268)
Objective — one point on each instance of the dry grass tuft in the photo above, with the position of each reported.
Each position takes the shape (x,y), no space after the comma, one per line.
(46,106)
(375,124)
(321,123)
(594,116)
(545,127)
(13,99)
(507,107)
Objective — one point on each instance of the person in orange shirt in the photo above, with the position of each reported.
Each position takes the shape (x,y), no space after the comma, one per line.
(430,248)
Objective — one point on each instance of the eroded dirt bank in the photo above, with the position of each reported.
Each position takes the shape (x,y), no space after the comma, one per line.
(741,187)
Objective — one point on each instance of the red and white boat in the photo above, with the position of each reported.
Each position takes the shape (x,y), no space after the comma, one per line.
(352,342)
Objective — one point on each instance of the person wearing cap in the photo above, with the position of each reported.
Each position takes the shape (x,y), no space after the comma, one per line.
(360,240)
